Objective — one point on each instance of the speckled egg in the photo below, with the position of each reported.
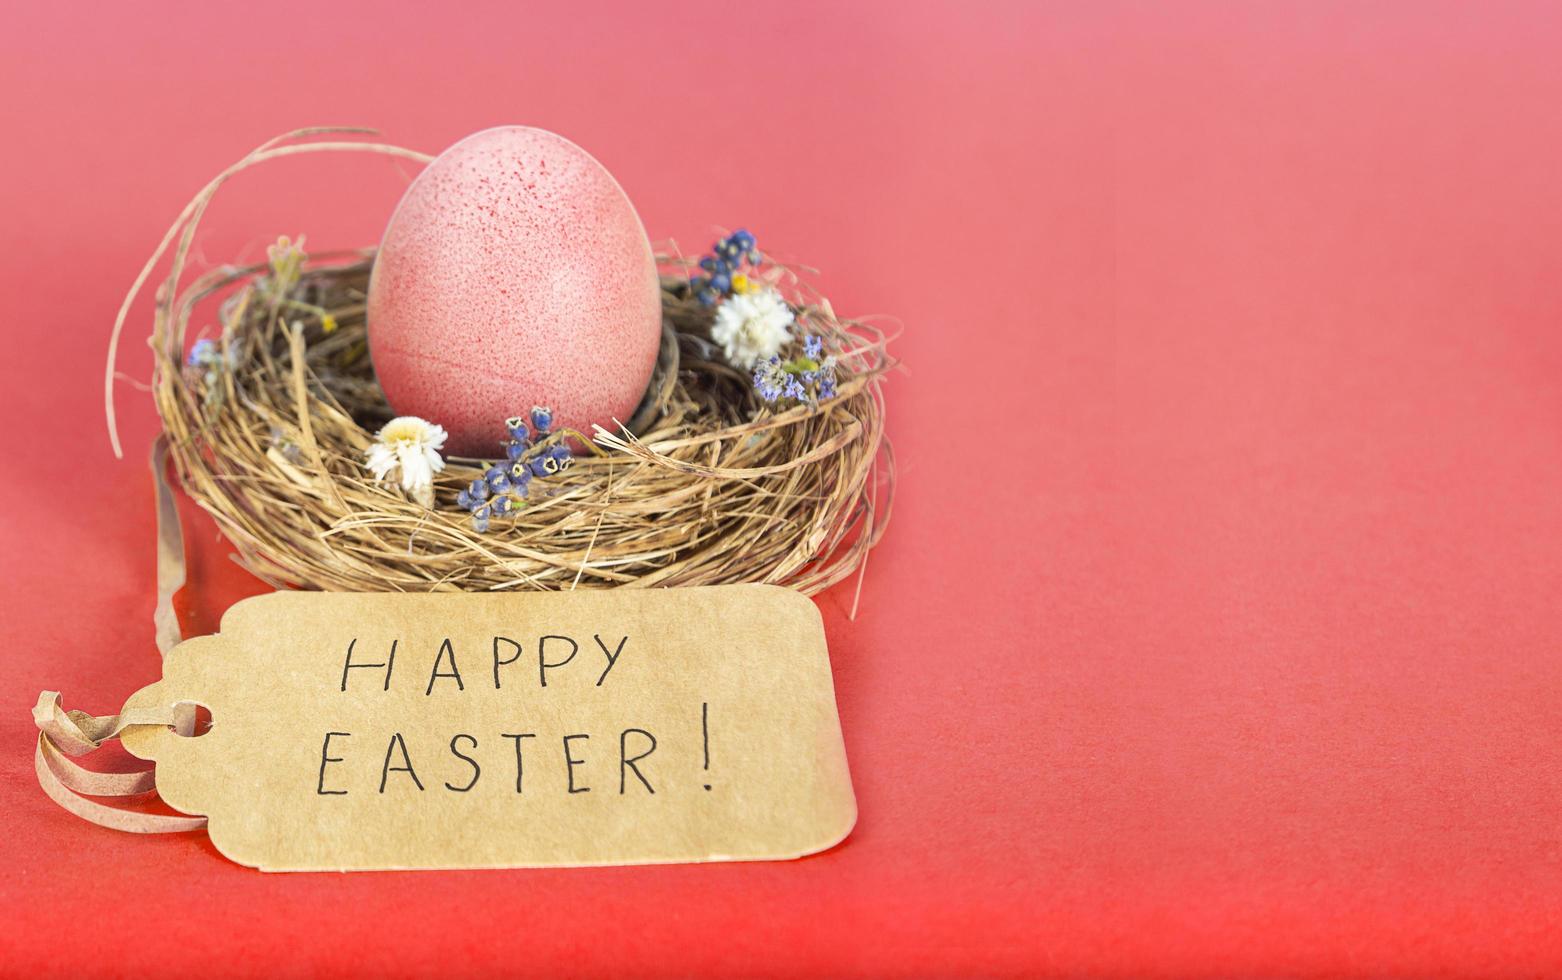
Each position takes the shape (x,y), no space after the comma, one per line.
(514,273)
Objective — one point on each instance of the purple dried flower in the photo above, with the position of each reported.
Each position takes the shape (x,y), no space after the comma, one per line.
(769,379)
(203,352)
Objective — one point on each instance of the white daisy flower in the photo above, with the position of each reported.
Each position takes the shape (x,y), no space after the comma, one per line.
(408,449)
(752,327)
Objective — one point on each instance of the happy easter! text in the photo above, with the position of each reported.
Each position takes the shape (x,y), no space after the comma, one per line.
(390,761)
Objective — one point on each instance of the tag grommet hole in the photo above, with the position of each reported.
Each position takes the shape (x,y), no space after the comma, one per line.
(191,719)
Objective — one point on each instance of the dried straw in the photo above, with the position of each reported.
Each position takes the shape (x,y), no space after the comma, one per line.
(706,485)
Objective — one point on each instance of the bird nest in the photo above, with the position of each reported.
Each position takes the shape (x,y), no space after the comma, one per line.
(706,484)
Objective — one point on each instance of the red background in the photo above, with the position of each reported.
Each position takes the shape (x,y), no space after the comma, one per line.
(1217,629)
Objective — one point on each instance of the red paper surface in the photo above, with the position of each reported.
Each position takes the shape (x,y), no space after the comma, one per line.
(1217,630)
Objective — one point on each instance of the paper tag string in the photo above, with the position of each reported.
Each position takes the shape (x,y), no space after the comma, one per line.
(170,551)
(62,734)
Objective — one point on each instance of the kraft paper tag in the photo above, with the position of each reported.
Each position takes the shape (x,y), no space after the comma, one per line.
(357,732)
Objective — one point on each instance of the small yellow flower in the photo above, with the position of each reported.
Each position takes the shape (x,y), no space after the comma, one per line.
(741,284)
(327,323)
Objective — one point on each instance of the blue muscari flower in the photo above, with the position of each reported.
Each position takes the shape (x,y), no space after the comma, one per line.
(725,261)
(813,346)
(503,486)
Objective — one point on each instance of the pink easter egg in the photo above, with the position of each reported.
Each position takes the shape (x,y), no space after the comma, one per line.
(514,273)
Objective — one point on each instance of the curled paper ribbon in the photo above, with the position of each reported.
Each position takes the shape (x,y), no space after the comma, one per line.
(62,734)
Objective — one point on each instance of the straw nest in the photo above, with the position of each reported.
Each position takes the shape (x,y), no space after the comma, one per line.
(705,485)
